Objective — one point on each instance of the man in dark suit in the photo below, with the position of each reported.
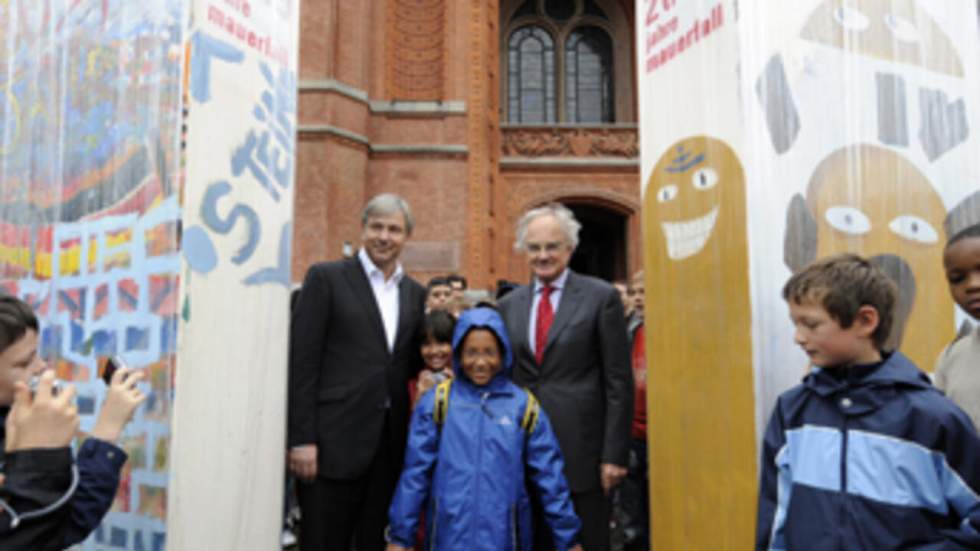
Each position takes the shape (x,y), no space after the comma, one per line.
(353,348)
(569,337)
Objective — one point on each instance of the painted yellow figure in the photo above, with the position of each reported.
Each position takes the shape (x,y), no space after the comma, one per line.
(700,393)
(870,200)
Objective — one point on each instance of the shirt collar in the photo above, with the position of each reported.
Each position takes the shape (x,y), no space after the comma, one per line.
(557,285)
(371,269)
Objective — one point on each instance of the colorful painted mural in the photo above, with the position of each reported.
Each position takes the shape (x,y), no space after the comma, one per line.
(90,130)
(855,124)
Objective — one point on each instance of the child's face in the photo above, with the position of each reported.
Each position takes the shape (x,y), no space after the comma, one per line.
(827,343)
(480,356)
(962,263)
(439,297)
(19,362)
(437,355)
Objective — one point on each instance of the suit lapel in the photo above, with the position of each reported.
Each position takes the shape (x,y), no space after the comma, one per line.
(522,307)
(362,290)
(404,309)
(570,299)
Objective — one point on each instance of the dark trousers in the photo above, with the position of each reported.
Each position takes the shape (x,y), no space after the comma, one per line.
(635,499)
(337,513)
(592,509)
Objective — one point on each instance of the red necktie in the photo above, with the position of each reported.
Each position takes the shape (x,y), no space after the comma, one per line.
(545,316)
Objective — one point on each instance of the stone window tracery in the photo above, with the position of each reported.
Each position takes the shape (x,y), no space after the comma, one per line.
(559,63)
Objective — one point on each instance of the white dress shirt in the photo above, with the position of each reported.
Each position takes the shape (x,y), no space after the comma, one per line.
(385,294)
(557,286)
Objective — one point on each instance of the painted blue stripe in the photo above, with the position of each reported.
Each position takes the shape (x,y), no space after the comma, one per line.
(899,472)
(813,457)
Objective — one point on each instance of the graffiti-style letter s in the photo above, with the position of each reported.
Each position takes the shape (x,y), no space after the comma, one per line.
(209,213)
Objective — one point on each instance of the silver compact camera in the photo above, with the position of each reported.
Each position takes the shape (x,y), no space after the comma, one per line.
(35,380)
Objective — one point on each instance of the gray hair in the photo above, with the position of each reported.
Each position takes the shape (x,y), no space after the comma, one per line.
(565,217)
(388,203)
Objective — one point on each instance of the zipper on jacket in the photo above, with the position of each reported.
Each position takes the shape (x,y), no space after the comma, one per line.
(843,486)
(479,459)
(483,404)
(435,519)
(513,528)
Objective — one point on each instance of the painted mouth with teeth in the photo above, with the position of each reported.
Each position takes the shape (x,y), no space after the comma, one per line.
(687,238)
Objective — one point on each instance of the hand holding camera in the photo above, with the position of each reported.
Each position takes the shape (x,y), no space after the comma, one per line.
(121,400)
(46,419)
(429,379)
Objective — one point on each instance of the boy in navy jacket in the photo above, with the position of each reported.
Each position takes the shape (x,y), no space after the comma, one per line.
(865,453)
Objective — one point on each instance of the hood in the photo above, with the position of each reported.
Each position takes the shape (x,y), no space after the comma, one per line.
(481,318)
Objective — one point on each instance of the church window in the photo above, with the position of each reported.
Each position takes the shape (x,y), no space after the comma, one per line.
(559,63)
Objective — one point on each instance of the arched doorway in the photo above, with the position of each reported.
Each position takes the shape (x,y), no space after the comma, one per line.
(601,249)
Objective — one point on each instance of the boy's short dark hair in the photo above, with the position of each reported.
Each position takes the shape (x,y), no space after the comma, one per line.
(436,282)
(452,278)
(437,325)
(972,231)
(16,317)
(842,284)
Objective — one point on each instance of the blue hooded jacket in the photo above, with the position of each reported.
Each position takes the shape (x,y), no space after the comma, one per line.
(471,477)
(869,457)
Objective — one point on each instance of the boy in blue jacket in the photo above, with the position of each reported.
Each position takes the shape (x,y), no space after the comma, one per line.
(865,453)
(472,444)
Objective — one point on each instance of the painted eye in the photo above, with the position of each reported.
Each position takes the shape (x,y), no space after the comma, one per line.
(667,193)
(914,228)
(848,220)
(851,19)
(903,29)
(706,178)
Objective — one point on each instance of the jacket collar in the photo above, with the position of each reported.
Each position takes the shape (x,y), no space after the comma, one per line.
(867,387)
(894,370)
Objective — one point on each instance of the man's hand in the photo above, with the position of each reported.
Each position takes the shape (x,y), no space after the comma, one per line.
(302,461)
(576,547)
(611,475)
(396,547)
(121,400)
(45,420)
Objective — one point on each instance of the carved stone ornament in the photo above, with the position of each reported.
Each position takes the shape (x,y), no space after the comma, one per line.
(552,141)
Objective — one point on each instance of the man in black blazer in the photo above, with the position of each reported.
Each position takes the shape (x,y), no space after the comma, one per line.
(353,348)
(577,365)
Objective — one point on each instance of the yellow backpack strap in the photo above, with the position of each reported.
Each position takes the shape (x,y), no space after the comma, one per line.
(531,410)
(442,402)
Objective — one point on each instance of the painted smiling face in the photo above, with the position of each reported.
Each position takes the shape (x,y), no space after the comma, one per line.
(872,201)
(890,30)
(686,192)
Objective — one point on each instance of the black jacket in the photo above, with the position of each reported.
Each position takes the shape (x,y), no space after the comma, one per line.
(35,480)
(343,381)
(38,477)
(585,383)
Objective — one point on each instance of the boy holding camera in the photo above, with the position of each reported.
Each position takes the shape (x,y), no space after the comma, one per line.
(47,502)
